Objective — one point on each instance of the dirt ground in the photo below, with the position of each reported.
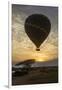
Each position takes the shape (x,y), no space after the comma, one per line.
(39,75)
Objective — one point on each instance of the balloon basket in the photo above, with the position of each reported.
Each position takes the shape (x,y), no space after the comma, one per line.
(37,49)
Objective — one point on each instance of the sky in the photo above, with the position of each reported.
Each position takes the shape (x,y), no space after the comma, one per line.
(22,47)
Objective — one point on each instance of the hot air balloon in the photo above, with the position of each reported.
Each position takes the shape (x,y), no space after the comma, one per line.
(37,27)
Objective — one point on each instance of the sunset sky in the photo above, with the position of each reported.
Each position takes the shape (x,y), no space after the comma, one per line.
(22,47)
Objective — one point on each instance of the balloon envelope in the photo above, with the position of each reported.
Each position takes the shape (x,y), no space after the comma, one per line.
(37,27)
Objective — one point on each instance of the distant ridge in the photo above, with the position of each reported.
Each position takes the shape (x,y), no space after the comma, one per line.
(26,62)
